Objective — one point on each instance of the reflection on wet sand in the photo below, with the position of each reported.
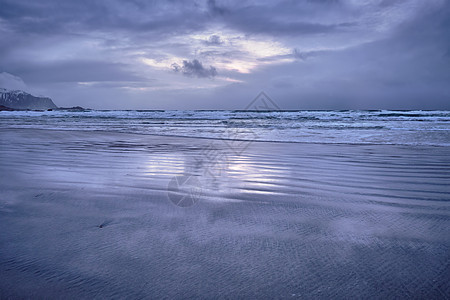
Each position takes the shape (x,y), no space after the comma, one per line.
(89,215)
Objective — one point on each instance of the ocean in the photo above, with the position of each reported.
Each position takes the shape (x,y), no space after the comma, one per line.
(346,127)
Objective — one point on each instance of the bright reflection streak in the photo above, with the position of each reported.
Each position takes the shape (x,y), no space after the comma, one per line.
(218,180)
(165,164)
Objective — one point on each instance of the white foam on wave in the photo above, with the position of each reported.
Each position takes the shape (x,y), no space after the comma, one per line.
(347,127)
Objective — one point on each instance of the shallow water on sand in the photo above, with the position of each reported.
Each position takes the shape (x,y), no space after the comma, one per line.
(94,214)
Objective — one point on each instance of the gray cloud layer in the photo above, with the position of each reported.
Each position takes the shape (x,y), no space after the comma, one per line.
(328,54)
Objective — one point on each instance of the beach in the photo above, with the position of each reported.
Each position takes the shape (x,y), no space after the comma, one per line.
(98,214)
(223,149)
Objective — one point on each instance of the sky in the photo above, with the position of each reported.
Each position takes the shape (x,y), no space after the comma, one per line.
(219,54)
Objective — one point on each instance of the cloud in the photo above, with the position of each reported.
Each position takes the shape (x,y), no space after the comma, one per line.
(285,18)
(76,70)
(195,68)
(11,82)
(303,55)
(215,9)
(313,53)
(213,40)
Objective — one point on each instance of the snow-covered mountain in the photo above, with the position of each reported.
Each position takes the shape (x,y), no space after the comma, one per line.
(21,100)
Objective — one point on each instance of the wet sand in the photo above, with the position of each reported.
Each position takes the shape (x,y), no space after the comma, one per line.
(94,215)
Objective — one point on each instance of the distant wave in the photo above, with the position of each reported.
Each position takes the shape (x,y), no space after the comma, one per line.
(313,126)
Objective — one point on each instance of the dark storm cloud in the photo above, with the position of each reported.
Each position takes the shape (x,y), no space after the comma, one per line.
(195,68)
(215,9)
(165,17)
(408,70)
(55,16)
(278,17)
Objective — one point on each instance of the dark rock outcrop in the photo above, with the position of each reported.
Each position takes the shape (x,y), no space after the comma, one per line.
(4,108)
(22,100)
(74,108)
